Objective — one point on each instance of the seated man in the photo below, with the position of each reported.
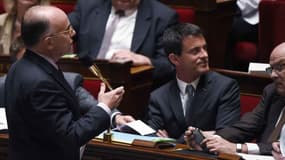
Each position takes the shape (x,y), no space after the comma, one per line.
(128,30)
(197,96)
(263,124)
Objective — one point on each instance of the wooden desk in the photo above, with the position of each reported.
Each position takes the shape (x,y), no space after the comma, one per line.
(97,150)
(249,83)
(137,81)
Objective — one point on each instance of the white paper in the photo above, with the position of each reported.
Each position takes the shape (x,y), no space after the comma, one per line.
(3,119)
(282,141)
(258,68)
(140,127)
(255,157)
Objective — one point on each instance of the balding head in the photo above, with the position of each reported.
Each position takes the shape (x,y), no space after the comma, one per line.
(38,21)
(277,63)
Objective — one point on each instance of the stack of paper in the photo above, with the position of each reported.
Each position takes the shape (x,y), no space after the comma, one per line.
(258,68)
(129,138)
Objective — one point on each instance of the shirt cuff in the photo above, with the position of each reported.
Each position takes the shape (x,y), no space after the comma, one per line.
(113,120)
(104,107)
(252,148)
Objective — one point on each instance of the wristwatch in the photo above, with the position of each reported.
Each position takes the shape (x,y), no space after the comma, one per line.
(239,148)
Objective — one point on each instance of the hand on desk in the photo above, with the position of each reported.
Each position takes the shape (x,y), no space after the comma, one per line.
(123,119)
(217,144)
(276,152)
(112,98)
(214,143)
(127,55)
(162,133)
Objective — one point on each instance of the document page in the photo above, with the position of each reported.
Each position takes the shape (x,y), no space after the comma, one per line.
(3,120)
(255,157)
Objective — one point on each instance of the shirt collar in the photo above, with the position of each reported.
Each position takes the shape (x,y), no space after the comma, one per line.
(127,12)
(48,59)
(182,85)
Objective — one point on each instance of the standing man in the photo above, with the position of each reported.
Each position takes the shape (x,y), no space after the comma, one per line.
(197,96)
(264,123)
(124,30)
(42,110)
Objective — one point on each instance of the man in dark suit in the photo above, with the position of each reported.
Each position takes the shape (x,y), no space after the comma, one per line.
(135,38)
(42,110)
(214,99)
(262,122)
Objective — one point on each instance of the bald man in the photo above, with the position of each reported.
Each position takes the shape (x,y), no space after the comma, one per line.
(42,110)
(261,122)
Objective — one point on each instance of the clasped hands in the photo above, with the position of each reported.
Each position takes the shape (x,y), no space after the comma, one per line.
(127,55)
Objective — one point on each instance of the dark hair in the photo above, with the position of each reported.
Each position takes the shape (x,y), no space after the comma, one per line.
(33,30)
(172,39)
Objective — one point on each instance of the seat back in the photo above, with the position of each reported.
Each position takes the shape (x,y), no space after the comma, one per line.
(67,7)
(186,14)
(92,86)
(248,102)
(271,27)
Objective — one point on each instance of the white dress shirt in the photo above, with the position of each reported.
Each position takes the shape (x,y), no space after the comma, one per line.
(183,95)
(123,34)
(249,10)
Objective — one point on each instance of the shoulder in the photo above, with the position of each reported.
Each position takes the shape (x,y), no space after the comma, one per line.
(159,9)
(164,89)
(219,78)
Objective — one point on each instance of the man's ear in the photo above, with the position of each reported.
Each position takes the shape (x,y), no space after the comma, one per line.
(49,43)
(174,59)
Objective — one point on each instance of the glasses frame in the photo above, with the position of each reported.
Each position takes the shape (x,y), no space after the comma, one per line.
(69,29)
(277,68)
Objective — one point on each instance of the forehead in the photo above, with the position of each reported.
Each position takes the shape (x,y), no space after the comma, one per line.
(278,55)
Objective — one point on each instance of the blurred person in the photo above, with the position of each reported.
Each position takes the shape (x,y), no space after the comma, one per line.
(10,26)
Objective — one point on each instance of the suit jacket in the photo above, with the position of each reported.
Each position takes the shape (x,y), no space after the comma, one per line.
(2,84)
(215,105)
(43,114)
(259,123)
(90,18)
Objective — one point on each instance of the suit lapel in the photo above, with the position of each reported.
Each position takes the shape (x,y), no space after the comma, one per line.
(143,22)
(275,110)
(98,24)
(199,97)
(175,103)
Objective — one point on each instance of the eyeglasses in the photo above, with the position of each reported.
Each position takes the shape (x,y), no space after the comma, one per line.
(278,68)
(69,30)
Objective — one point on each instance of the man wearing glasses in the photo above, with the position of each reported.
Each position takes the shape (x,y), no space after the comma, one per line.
(263,124)
(42,110)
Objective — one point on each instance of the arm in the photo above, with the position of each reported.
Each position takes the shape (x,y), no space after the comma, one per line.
(154,115)
(53,115)
(229,106)
(249,127)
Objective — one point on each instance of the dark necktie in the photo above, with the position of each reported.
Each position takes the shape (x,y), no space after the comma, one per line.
(190,93)
(277,130)
(109,34)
